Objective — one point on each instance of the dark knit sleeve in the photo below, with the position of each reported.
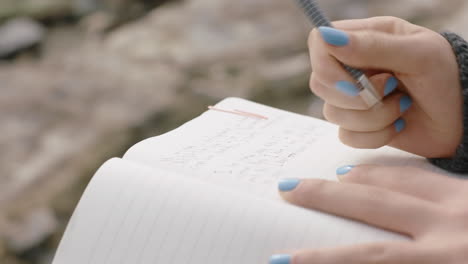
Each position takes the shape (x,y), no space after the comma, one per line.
(459,163)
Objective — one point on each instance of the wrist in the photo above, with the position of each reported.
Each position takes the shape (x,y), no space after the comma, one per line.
(459,162)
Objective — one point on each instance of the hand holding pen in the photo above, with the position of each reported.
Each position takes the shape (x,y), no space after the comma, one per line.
(413,70)
(419,75)
(364,88)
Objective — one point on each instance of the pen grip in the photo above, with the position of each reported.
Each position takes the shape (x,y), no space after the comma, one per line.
(355,73)
(318,19)
(314,13)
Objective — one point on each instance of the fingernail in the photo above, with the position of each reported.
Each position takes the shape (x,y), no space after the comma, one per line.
(334,36)
(405,103)
(347,88)
(390,85)
(286,185)
(280,259)
(400,124)
(344,170)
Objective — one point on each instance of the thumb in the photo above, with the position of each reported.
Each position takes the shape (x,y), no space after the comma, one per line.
(369,49)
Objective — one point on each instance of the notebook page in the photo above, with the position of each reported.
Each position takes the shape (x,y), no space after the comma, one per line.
(132,214)
(250,154)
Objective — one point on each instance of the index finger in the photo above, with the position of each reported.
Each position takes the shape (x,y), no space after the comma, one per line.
(372,205)
(387,24)
(382,253)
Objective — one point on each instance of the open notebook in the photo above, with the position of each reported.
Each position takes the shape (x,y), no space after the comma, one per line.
(206,193)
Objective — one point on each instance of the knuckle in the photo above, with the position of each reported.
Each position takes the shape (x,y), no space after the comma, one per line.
(462,252)
(365,107)
(362,106)
(314,186)
(394,24)
(458,215)
(453,253)
(377,253)
(315,85)
(318,185)
(330,114)
(374,43)
(309,190)
(304,256)
(392,20)
(377,195)
(362,139)
(345,137)
(351,141)
(324,74)
(436,46)
(359,175)
(312,37)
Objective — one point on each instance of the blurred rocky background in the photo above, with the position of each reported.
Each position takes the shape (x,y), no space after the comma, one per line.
(82,80)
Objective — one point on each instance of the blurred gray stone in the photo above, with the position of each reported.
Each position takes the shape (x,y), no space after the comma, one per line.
(97,22)
(207,31)
(38,9)
(414,9)
(28,232)
(3,251)
(83,7)
(19,34)
(430,13)
(223,46)
(63,115)
(56,114)
(458,23)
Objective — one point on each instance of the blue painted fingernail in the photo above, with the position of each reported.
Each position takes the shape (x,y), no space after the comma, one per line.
(286,185)
(400,124)
(334,36)
(405,103)
(390,85)
(347,88)
(280,259)
(344,170)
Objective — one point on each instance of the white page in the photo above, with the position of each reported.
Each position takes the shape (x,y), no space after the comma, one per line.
(132,214)
(249,154)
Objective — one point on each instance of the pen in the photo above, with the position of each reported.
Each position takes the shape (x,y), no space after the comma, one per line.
(365,87)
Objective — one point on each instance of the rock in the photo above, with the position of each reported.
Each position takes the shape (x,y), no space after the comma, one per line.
(30,231)
(84,7)
(123,11)
(97,23)
(429,13)
(3,251)
(63,115)
(11,260)
(19,34)
(68,106)
(122,5)
(414,9)
(248,28)
(458,22)
(78,107)
(38,9)
(225,44)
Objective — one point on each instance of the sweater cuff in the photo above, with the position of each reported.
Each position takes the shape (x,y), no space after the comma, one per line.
(458,163)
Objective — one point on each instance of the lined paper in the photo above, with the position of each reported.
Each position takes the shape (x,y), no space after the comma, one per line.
(133,214)
(250,155)
(207,193)
(224,145)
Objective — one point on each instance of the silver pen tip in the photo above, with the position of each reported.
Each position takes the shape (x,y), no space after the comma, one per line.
(368,92)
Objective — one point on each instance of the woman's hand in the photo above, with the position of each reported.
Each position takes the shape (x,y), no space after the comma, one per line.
(430,208)
(412,67)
